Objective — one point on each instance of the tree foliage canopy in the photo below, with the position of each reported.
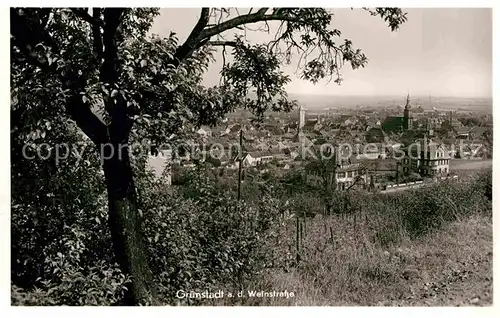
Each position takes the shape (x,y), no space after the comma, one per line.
(99,72)
(97,58)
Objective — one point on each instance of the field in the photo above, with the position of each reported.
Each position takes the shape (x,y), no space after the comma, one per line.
(469,165)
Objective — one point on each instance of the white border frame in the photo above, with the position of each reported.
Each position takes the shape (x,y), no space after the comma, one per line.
(212,311)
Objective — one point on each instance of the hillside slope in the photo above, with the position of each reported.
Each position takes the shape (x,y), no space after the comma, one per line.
(450,267)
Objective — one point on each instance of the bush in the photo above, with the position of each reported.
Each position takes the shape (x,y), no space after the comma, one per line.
(419,211)
(207,240)
(61,250)
(412,213)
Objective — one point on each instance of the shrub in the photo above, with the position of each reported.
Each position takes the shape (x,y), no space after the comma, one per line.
(206,240)
(75,268)
(61,250)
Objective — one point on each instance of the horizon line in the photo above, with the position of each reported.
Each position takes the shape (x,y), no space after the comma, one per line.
(387,95)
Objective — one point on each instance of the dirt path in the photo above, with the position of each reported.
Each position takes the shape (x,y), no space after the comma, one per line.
(459,273)
(470,284)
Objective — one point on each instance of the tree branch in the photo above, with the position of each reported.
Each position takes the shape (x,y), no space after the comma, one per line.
(204,36)
(82,13)
(109,70)
(88,122)
(96,34)
(116,107)
(259,16)
(222,43)
(262,10)
(194,38)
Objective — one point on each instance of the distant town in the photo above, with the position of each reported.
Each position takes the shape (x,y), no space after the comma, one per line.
(367,138)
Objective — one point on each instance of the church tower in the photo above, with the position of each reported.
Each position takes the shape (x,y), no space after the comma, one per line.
(302,117)
(407,121)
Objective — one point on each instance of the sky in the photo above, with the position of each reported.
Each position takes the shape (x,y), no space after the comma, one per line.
(438,52)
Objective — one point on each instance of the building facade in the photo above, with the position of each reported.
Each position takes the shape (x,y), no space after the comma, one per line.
(427,158)
(343,175)
(349,173)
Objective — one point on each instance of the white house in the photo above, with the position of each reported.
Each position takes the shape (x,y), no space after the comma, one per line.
(161,165)
(251,159)
(427,158)
(349,173)
(204,131)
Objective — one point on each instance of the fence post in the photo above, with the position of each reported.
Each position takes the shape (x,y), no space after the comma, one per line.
(354,220)
(305,229)
(297,238)
(331,236)
(301,234)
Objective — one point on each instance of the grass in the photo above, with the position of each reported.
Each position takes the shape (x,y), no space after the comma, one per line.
(429,246)
(394,276)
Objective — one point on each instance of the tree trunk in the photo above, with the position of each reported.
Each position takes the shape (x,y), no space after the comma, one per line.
(125,225)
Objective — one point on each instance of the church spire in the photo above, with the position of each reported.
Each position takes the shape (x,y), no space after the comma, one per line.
(407,121)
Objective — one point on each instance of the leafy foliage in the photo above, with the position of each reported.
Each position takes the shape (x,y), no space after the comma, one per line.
(95,76)
(206,240)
